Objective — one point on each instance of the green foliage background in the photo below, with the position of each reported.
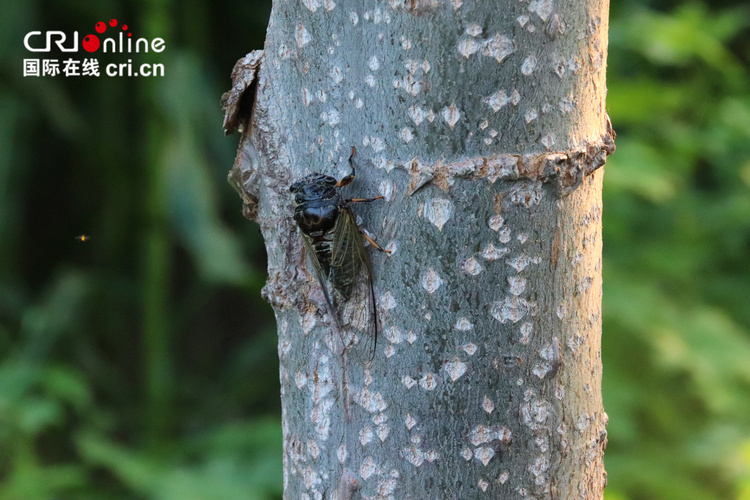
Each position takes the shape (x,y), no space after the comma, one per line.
(142,364)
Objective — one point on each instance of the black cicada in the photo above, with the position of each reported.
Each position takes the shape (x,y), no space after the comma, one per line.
(336,250)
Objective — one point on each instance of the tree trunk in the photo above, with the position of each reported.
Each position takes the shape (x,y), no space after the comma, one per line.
(483,126)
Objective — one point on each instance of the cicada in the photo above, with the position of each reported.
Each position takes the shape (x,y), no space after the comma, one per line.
(335,247)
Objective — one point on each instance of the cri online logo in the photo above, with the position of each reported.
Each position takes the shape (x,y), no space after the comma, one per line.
(91,43)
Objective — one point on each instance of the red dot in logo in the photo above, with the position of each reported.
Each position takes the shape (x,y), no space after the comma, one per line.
(130,34)
(113,22)
(100,27)
(124,27)
(90,43)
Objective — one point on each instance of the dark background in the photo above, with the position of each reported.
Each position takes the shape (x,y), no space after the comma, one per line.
(141,364)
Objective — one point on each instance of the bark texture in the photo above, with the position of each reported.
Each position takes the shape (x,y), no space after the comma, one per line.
(483,126)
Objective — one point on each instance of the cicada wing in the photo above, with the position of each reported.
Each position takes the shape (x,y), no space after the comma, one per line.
(319,275)
(351,277)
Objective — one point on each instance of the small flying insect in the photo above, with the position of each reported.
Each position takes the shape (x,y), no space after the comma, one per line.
(82,238)
(334,244)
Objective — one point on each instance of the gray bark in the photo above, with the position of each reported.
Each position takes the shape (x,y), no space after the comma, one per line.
(483,126)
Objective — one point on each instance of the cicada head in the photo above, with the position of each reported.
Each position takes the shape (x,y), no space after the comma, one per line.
(317,201)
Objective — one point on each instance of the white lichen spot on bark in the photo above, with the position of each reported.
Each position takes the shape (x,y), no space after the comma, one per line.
(410,84)
(526,330)
(484,454)
(417,114)
(504,235)
(488,405)
(528,65)
(354,18)
(483,484)
(376,143)
(560,391)
(467,453)
(534,411)
(387,301)
(284,347)
(307,97)
(428,381)
(497,100)
(482,434)
(522,20)
(463,324)
(517,285)
(542,8)
(310,477)
(503,477)
(527,194)
(584,285)
(413,455)
(382,431)
(394,335)
(365,435)
(389,351)
(438,211)
(321,418)
(541,369)
(575,342)
(341,453)
(457,4)
(455,369)
(511,309)
(540,466)
(312,5)
(329,5)
(371,401)
(530,115)
(473,30)
(431,455)
(386,487)
(519,263)
(368,468)
(469,348)
(410,421)
(408,381)
(406,134)
(313,449)
(451,114)
(331,117)
(336,75)
(468,46)
(522,238)
(370,80)
(308,321)
(492,253)
(431,281)
(472,266)
(561,311)
(302,36)
(498,47)
(496,222)
(300,379)
(411,337)
(387,188)
(548,140)
(373,63)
